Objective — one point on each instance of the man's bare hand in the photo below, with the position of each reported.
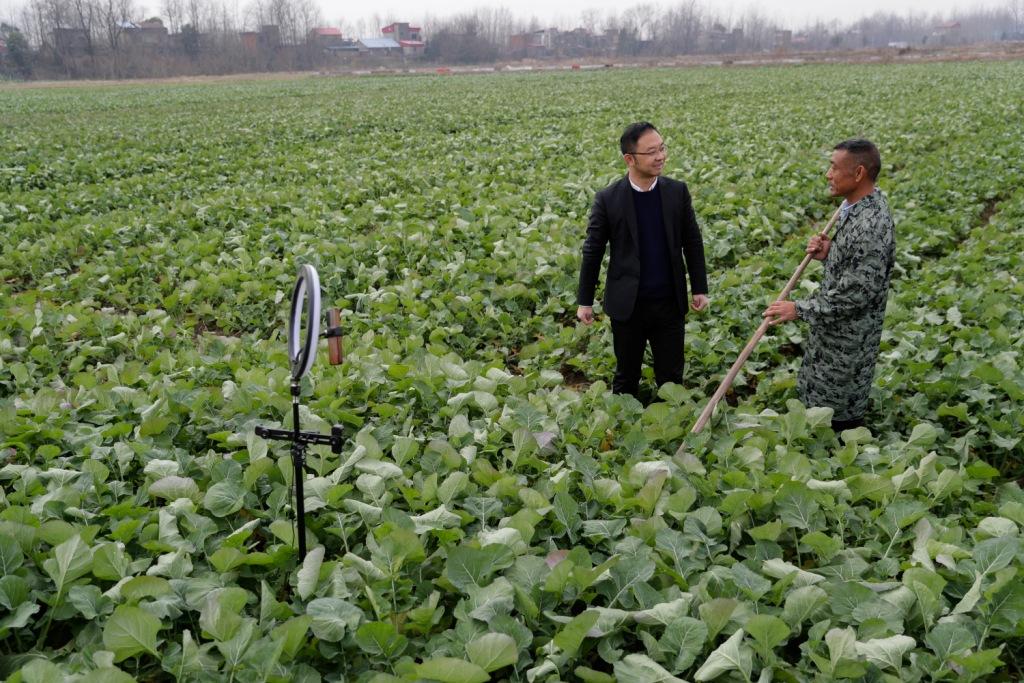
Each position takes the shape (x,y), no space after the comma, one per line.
(780,312)
(818,247)
(699,302)
(585,314)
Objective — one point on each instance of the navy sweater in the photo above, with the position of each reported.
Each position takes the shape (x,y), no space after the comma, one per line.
(655,269)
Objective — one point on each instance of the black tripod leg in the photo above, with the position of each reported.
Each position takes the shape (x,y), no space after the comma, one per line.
(298,460)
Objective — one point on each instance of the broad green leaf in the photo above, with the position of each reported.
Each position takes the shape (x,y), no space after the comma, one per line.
(174,487)
(220,618)
(750,582)
(769,631)
(923,435)
(566,511)
(625,576)
(842,645)
(780,569)
(796,506)
(683,640)
(140,587)
(42,671)
(14,590)
(573,633)
(664,613)
(731,655)
(309,573)
(1006,607)
(949,639)
(927,587)
(19,618)
(468,567)
(766,532)
(284,531)
(494,599)
(802,603)
(380,639)
(71,560)
(971,597)
(90,601)
(716,614)
(886,653)
(11,556)
(131,631)
(234,649)
(451,670)
(588,675)
(223,498)
(638,668)
(293,634)
(333,617)
(107,674)
(438,518)
(111,562)
(492,651)
(993,554)
(978,664)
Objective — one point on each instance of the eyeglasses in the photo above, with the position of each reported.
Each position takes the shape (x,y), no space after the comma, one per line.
(661,150)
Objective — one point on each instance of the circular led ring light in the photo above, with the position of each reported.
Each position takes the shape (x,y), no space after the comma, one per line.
(302,352)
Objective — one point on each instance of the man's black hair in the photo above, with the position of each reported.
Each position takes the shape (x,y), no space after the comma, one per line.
(630,136)
(864,153)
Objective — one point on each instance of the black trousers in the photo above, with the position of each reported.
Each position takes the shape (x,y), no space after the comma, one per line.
(842,425)
(659,322)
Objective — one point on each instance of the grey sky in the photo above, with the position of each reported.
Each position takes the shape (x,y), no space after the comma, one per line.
(564,13)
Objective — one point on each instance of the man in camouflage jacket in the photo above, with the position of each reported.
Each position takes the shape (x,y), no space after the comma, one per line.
(845,314)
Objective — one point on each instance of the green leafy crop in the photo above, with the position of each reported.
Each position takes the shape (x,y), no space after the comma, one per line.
(496,514)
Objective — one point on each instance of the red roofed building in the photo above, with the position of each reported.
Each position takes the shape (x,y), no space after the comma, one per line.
(400,31)
(325,36)
(410,38)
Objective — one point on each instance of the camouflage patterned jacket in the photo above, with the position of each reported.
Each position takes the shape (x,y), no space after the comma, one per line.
(846,313)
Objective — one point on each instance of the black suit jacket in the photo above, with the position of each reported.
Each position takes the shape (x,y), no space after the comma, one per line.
(613,221)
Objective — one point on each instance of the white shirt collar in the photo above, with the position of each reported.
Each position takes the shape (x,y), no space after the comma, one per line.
(635,187)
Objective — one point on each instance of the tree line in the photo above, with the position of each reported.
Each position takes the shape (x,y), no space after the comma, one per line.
(115,39)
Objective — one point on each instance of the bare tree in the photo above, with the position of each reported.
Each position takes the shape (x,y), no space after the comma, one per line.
(680,28)
(1016,10)
(174,13)
(86,17)
(114,15)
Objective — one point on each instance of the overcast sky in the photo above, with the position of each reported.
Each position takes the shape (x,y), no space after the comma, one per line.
(563,13)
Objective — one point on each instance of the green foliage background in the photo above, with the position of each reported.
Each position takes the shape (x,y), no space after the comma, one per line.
(494,514)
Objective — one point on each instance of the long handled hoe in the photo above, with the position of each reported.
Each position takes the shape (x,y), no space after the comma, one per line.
(705,415)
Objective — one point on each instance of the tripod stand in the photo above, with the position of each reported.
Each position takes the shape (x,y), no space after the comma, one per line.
(301,356)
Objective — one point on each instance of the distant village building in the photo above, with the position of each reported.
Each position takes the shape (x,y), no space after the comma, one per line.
(783,40)
(150,33)
(408,37)
(326,37)
(721,40)
(534,44)
(947,34)
(400,31)
(379,46)
(267,38)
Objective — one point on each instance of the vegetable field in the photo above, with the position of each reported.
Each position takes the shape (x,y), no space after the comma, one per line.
(496,513)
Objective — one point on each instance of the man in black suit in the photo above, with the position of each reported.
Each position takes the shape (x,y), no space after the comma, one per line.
(650,224)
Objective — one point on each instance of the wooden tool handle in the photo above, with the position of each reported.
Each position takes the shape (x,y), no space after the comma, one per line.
(334,342)
(705,415)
